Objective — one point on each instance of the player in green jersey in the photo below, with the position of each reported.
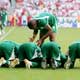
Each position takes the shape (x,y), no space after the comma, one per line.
(3,15)
(8,53)
(30,54)
(52,55)
(73,54)
(46,23)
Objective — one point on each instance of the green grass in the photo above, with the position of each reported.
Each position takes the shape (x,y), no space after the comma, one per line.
(39,74)
(64,37)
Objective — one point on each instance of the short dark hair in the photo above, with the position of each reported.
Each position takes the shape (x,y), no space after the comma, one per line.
(30,24)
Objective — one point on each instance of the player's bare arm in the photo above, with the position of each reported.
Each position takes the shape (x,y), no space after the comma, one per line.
(45,36)
(35,32)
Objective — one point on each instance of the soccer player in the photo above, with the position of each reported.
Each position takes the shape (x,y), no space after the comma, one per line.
(52,55)
(30,54)
(73,53)
(8,53)
(3,15)
(46,23)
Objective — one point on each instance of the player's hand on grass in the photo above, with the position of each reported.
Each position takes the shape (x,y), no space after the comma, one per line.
(31,39)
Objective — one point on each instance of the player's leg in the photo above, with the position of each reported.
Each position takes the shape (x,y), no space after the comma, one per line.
(55,56)
(0,28)
(71,57)
(44,63)
(2,55)
(32,60)
(63,60)
(32,64)
(21,55)
(41,35)
(52,36)
(3,25)
(2,61)
(36,63)
(69,64)
(28,63)
(9,55)
(45,56)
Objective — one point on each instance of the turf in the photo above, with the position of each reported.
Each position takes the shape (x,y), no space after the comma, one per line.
(64,37)
(39,74)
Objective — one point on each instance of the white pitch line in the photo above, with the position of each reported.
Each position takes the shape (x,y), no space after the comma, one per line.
(6,34)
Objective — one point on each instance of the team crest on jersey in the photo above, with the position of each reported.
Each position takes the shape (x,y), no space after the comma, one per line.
(37,54)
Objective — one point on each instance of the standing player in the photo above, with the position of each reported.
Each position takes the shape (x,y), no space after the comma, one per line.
(46,23)
(73,53)
(3,15)
(30,54)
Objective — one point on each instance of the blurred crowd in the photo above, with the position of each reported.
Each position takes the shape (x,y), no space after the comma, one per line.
(57,7)
(20,10)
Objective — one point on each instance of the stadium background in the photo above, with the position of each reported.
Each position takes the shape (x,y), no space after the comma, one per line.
(67,11)
(69,21)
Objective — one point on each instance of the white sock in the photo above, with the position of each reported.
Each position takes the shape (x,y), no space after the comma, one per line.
(56,63)
(0,33)
(4,61)
(0,65)
(30,63)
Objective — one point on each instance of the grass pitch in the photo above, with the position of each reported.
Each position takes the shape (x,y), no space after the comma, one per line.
(64,37)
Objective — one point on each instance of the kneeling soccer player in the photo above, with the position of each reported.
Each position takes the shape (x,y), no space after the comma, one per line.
(73,54)
(30,54)
(8,53)
(52,55)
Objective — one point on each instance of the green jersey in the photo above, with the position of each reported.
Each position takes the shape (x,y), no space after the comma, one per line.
(44,19)
(4,14)
(75,42)
(29,51)
(50,50)
(8,49)
(74,50)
